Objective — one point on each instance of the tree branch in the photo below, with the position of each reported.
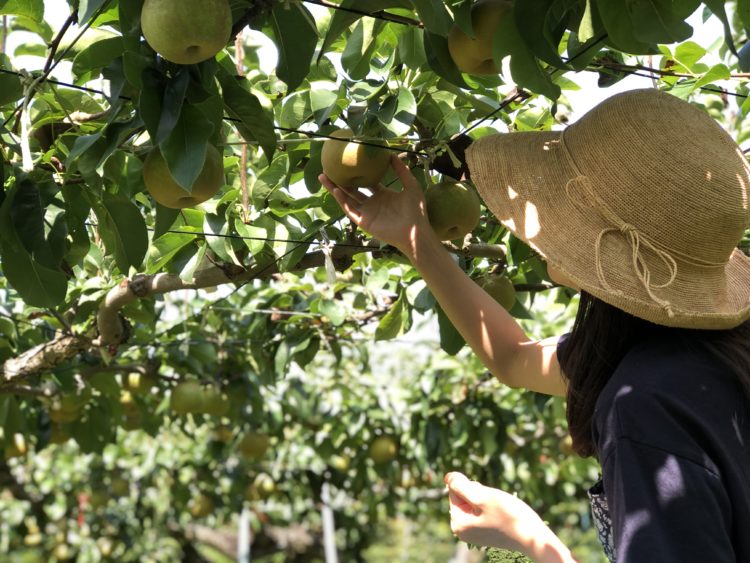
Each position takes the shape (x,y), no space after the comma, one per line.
(43,357)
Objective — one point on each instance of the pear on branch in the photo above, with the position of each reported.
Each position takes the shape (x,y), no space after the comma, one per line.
(186,31)
(473,55)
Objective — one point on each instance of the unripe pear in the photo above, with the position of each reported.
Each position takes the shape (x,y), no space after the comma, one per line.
(474,55)
(383,449)
(500,288)
(187,397)
(453,209)
(253,446)
(165,189)
(186,31)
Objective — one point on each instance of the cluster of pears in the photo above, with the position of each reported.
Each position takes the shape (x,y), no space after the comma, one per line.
(191,397)
(185,32)
(473,55)
(453,208)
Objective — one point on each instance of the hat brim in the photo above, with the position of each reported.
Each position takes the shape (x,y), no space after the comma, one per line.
(522,179)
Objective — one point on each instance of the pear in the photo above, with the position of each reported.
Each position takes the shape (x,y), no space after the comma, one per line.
(352,165)
(500,289)
(383,449)
(165,190)
(186,31)
(453,209)
(473,55)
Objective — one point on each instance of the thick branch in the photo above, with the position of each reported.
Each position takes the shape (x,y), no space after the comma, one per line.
(112,330)
(43,357)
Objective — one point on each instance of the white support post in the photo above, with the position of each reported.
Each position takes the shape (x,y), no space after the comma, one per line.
(244,537)
(329,528)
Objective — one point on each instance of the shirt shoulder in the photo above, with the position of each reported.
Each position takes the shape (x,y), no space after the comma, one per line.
(672,395)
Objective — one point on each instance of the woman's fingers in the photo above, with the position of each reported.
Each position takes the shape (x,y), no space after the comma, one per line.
(404,174)
(353,193)
(474,493)
(344,198)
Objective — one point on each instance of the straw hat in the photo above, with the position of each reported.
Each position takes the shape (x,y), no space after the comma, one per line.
(641,203)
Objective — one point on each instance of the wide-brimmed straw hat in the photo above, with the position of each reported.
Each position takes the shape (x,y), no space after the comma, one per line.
(641,203)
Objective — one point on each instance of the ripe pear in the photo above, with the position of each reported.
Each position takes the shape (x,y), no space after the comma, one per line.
(473,55)
(353,165)
(453,209)
(186,31)
(253,446)
(500,289)
(383,449)
(165,189)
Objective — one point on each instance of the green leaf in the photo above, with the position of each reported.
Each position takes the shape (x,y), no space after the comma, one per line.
(164,248)
(251,120)
(38,285)
(656,22)
(451,340)
(185,148)
(123,231)
(333,310)
(165,218)
(537,26)
(170,111)
(743,11)
(524,67)
(586,25)
(343,18)
(87,8)
(620,28)
(296,38)
(434,15)
(440,60)
(392,323)
(98,55)
(359,49)
(718,9)
(411,47)
(689,53)
(11,90)
(33,9)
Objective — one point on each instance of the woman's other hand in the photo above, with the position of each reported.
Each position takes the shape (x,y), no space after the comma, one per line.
(490,517)
(396,218)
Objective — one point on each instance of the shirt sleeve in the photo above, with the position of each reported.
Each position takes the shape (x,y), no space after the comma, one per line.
(665,507)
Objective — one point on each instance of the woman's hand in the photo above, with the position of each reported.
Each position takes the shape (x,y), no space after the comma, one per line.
(489,517)
(396,218)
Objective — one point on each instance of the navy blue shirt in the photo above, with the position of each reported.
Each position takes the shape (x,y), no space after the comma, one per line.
(672,431)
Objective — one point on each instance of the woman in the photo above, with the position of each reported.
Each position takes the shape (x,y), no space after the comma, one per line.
(640,206)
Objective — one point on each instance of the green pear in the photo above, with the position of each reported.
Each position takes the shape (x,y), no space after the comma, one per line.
(453,209)
(500,288)
(186,31)
(473,55)
(165,189)
(383,449)
(187,397)
(353,165)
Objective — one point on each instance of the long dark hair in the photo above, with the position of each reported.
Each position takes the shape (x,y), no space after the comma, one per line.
(603,334)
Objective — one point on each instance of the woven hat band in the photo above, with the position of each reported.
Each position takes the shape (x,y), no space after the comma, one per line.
(636,239)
